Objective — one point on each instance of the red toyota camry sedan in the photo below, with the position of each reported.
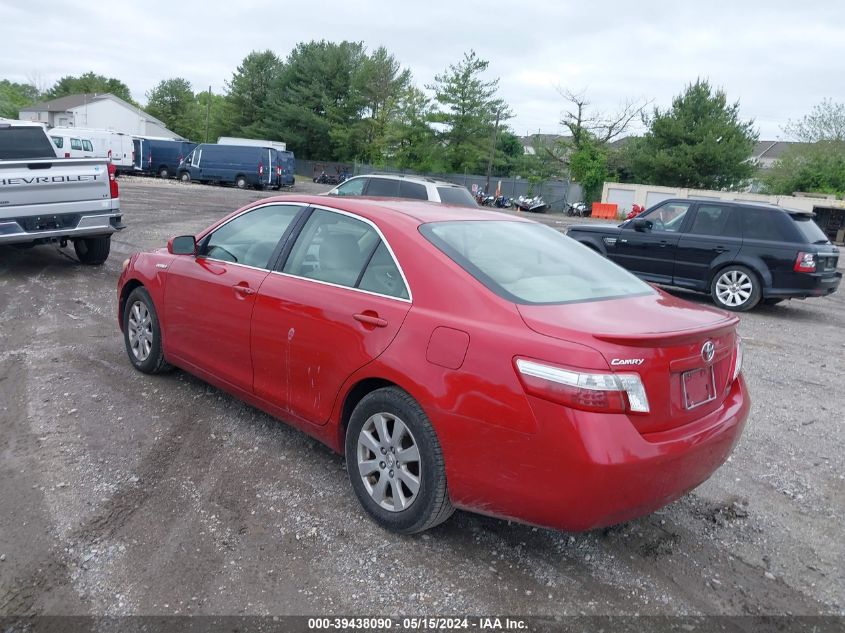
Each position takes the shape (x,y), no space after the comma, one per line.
(458,358)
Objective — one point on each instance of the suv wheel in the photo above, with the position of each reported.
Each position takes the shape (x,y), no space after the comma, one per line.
(735,288)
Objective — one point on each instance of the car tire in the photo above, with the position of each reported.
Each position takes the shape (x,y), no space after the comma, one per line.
(142,334)
(735,288)
(185,176)
(240,182)
(390,439)
(164,173)
(92,251)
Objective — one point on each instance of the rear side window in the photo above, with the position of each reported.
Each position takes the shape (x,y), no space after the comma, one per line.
(76,143)
(809,230)
(530,263)
(383,276)
(24,142)
(58,141)
(86,145)
(384,187)
(457,196)
(412,190)
(716,220)
(763,224)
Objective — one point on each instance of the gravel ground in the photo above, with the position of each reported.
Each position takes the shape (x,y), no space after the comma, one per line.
(122,493)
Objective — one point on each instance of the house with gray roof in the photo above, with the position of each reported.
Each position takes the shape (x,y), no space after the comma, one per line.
(98,112)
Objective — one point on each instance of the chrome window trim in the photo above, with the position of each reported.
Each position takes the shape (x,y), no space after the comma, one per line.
(410,298)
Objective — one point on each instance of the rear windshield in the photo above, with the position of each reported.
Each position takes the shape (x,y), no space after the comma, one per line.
(530,263)
(810,231)
(24,142)
(456,195)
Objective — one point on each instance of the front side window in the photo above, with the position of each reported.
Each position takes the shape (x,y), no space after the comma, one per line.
(76,143)
(195,158)
(668,217)
(251,238)
(354,187)
(342,250)
(530,263)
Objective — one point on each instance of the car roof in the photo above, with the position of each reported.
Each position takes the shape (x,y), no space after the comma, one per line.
(411,177)
(740,203)
(380,208)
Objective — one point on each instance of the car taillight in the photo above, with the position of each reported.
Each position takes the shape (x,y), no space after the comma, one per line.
(805,263)
(260,169)
(113,181)
(278,171)
(737,359)
(588,391)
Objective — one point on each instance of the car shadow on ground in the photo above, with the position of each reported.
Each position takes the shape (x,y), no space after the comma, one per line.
(794,309)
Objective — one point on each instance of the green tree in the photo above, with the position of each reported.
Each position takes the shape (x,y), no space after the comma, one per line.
(90,83)
(468,108)
(173,101)
(382,81)
(249,91)
(410,142)
(316,103)
(817,163)
(588,166)
(14,97)
(699,142)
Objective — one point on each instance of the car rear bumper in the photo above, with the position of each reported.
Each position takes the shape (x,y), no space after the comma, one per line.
(584,471)
(814,285)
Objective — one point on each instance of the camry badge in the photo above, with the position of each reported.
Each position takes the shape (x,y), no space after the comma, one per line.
(707,351)
(627,361)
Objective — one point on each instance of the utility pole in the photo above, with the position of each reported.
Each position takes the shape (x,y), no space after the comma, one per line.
(493,149)
(207,113)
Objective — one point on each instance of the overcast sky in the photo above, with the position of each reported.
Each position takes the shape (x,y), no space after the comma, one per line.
(778,58)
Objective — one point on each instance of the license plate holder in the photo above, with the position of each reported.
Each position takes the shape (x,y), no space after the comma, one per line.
(699,386)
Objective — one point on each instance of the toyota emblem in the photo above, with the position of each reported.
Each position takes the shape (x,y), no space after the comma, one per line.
(707,351)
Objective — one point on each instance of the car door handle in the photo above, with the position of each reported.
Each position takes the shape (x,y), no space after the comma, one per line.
(621,240)
(664,243)
(243,290)
(720,249)
(370,319)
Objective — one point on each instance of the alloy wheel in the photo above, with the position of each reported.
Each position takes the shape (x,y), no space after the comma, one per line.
(734,288)
(389,462)
(140,327)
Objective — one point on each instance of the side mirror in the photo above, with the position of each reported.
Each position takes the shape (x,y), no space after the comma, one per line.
(182,245)
(642,225)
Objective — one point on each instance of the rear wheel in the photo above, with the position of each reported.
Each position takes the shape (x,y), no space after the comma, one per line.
(92,251)
(395,463)
(164,173)
(240,182)
(735,288)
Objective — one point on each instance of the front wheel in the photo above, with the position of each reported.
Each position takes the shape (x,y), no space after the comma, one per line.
(92,251)
(185,176)
(142,334)
(736,288)
(395,463)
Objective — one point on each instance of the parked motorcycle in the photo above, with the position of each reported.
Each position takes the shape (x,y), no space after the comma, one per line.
(502,202)
(578,208)
(533,205)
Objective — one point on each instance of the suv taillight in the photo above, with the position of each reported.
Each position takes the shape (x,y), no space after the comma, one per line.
(113,181)
(588,391)
(805,263)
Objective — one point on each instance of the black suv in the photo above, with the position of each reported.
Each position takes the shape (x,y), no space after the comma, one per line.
(740,253)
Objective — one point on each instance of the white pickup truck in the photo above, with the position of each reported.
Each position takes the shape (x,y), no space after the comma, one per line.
(46,199)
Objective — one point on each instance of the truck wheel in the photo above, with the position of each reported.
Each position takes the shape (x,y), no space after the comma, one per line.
(92,251)
(240,182)
(163,173)
(185,176)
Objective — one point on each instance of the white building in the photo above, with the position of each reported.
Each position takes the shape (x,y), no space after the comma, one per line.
(96,111)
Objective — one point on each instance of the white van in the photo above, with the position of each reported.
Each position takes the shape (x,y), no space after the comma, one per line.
(104,144)
(72,145)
